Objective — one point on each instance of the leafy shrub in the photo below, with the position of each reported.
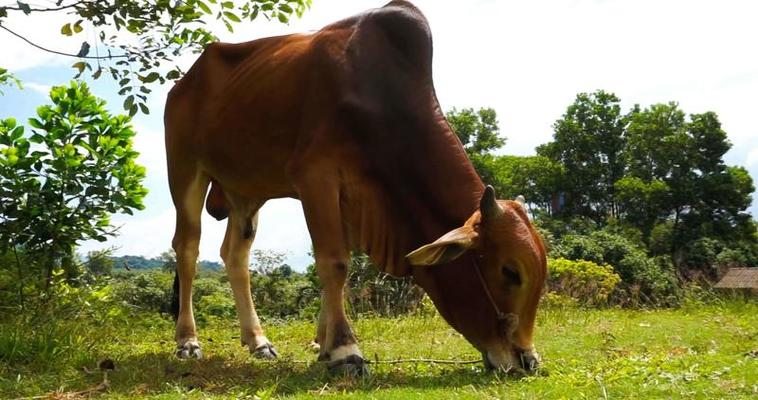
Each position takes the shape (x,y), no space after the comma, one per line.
(585,281)
(149,290)
(557,300)
(644,279)
(217,304)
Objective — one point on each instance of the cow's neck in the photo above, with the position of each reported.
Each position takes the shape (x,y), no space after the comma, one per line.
(415,195)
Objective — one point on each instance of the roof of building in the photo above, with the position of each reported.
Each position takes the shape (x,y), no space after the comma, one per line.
(739,278)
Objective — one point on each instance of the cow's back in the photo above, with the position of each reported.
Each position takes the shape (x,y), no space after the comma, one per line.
(238,112)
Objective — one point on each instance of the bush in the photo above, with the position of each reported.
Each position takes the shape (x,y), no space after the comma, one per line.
(644,279)
(217,304)
(149,290)
(587,282)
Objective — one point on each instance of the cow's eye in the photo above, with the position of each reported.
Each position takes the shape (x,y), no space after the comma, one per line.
(511,276)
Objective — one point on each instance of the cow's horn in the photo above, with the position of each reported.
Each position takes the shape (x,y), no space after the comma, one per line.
(488,205)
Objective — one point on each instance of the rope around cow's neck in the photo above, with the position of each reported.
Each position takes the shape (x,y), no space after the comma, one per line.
(501,316)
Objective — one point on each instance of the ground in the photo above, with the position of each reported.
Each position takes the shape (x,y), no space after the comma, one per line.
(698,351)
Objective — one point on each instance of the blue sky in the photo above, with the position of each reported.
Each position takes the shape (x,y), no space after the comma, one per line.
(528,60)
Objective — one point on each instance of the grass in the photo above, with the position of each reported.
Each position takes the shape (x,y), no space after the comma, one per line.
(693,352)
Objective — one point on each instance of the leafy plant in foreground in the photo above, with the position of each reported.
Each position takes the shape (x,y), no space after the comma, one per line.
(59,185)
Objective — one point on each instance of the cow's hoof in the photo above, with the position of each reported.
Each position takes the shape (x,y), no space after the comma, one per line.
(189,350)
(351,365)
(265,351)
(314,346)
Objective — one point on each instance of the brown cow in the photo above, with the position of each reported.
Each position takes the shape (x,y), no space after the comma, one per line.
(346,120)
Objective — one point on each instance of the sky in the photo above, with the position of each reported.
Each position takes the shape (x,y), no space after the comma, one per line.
(526,59)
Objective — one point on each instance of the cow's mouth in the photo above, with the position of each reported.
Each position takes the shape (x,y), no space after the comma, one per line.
(527,363)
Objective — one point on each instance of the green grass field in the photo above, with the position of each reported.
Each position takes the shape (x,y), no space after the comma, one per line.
(693,352)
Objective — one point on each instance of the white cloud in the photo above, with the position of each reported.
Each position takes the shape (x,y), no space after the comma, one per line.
(42,89)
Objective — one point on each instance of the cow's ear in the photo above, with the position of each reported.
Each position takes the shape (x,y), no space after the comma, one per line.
(445,249)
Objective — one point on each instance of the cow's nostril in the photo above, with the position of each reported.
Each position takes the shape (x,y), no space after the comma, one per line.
(528,361)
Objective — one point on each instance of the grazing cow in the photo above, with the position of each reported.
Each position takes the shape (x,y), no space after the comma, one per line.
(347,121)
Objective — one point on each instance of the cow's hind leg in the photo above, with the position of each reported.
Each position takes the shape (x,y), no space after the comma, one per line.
(240,232)
(338,345)
(188,192)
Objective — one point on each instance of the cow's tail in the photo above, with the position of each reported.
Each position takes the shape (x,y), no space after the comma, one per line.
(175,297)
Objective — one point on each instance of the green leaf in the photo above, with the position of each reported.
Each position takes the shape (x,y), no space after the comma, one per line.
(285,8)
(80,66)
(128,102)
(173,74)
(17,133)
(282,18)
(78,26)
(66,30)
(204,7)
(97,73)
(232,16)
(144,108)
(151,77)
(227,4)
(35,123)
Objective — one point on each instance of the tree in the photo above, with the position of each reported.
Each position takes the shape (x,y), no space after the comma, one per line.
(479,133)
(60,185)
(537,178)
(168,261)
(99,262)
(678,164)
(149,35)
(588,143)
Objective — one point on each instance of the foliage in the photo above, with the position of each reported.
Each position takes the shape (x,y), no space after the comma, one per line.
(654,170)
(6,78)
(149,36)
(536,178)
(99,262)
(479,133)
(478,130)
(59,185)
(149,290)
(589,283)
(168,260)
(645,280)
(588,143)
(372,292)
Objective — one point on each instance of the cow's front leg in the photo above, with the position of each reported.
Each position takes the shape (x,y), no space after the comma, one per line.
(338,345)
(240,232)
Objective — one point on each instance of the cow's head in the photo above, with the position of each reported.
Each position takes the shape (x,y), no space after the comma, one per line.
(501,261)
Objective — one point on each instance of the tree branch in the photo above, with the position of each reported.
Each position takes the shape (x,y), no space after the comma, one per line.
(108,57)
(31,10)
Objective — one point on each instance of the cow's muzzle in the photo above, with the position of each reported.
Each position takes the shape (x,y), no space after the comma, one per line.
(524,361)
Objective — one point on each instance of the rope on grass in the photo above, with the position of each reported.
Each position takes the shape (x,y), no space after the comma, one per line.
(376,360)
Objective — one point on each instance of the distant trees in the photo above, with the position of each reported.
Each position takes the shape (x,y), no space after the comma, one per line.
(653,178)
(655,169)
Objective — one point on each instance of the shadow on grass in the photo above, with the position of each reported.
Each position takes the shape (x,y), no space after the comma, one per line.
(153,373)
